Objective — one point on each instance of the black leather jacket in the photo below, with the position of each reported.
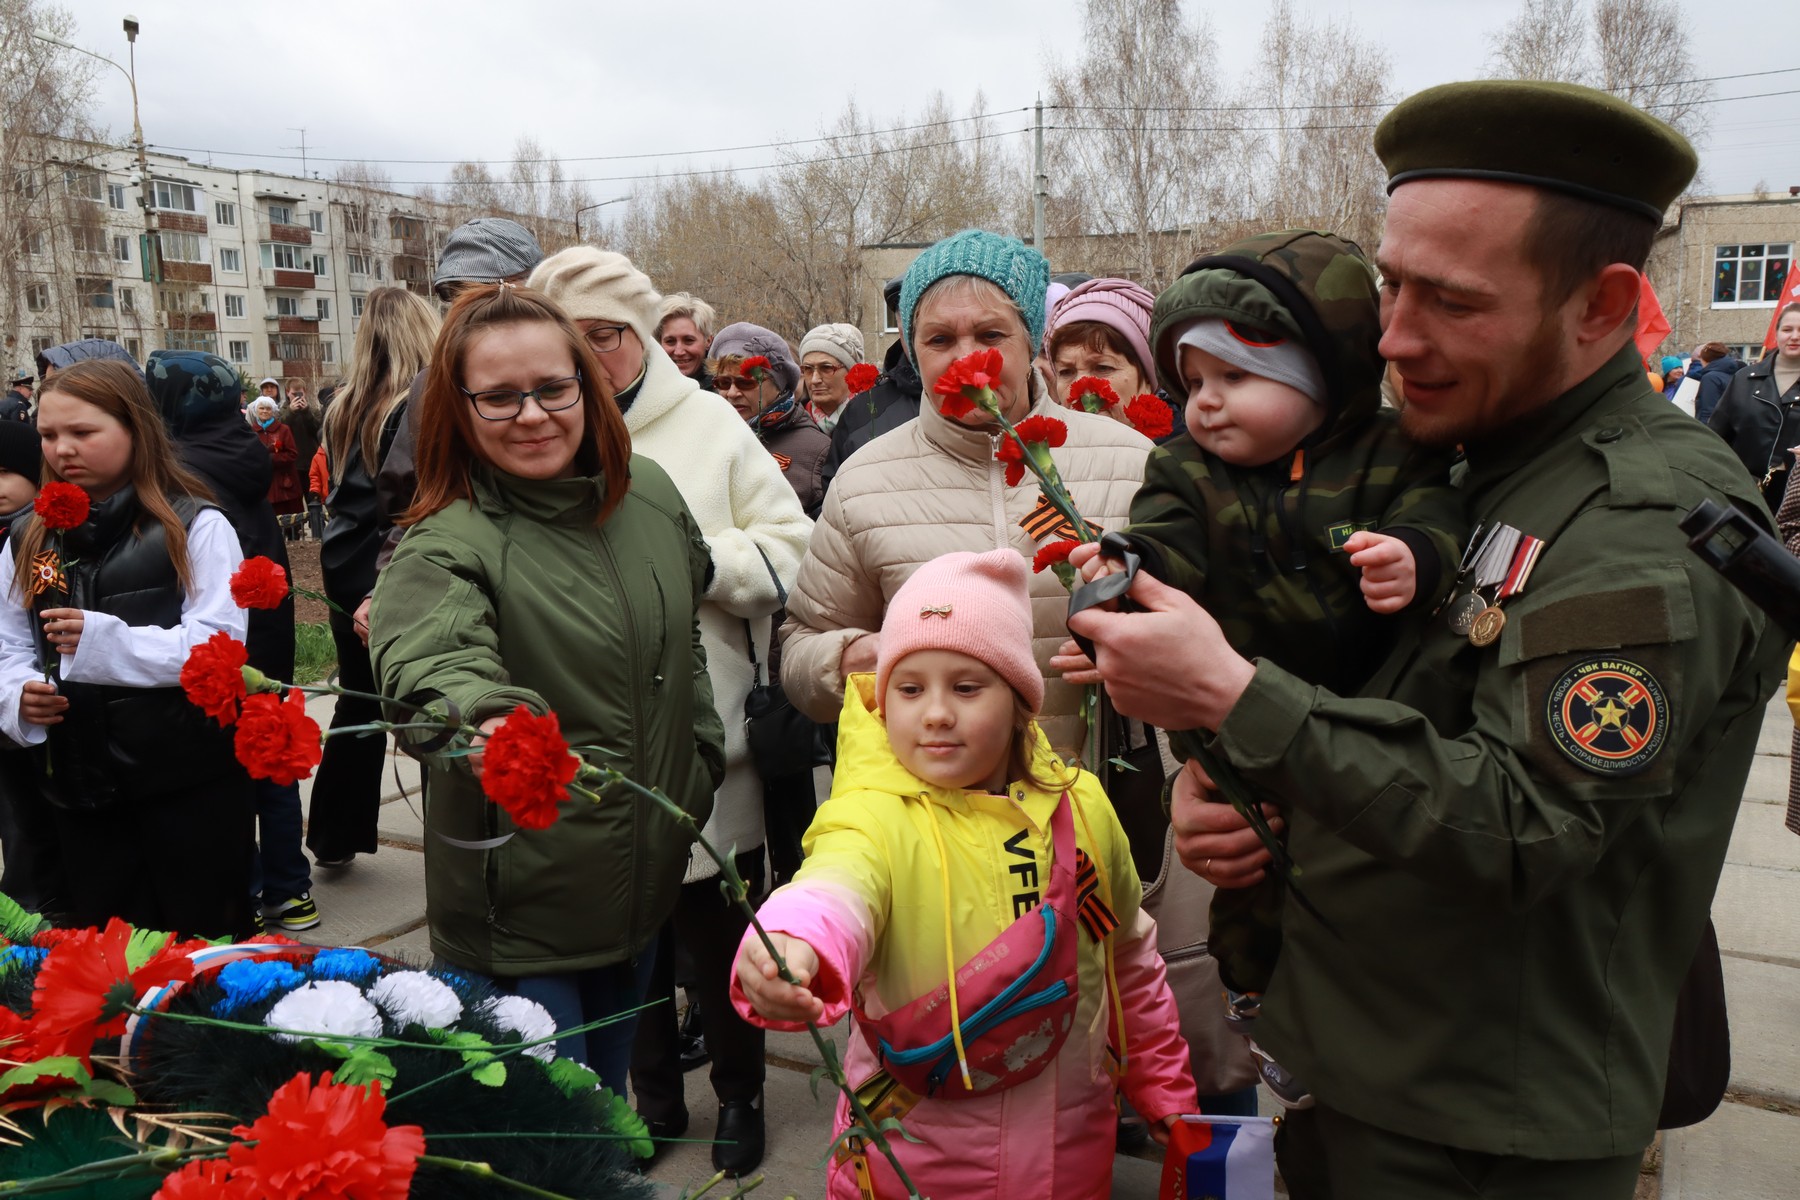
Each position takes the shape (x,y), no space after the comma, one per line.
(1751,417)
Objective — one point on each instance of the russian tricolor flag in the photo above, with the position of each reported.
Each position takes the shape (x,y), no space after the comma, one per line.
(1220,1158)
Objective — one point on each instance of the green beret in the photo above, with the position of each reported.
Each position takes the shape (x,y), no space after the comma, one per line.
(1552,135)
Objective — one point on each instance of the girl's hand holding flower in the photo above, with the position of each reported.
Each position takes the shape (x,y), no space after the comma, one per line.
(772,996)
(40,705)
(62,626)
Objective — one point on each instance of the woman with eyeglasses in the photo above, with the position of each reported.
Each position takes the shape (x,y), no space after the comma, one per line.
(827,353)
(393,344)
(546,565)
(768,399)
(757,535)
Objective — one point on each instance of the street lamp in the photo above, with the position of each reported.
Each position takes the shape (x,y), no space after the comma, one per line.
(590,207)
(152,254)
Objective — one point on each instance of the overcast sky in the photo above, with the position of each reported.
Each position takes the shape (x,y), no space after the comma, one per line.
(462,79)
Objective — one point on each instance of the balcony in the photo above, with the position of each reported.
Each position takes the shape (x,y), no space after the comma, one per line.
(293,279)
(295,235)
(184,272)
(176,222)
(199,321)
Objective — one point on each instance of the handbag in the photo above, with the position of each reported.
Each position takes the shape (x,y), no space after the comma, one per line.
(783,741)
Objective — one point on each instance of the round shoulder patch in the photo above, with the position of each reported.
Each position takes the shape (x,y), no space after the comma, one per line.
(1608,715)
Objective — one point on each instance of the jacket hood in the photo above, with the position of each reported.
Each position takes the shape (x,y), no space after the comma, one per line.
(70,353)
(194,390)
(1316,288)
(866,763)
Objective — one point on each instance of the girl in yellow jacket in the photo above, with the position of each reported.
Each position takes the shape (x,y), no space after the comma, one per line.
(971,902)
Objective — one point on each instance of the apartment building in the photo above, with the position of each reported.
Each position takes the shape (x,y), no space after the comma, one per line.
(1719,266)
(269,271)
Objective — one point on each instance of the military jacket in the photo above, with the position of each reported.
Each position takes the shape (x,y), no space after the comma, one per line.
(1518,844)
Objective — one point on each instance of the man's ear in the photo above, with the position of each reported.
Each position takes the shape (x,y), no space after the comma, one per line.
(1606,302)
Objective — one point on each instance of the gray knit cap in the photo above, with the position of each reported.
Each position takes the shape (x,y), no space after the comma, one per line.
(1267,354)
(486,250)
(842,342)
(744,340)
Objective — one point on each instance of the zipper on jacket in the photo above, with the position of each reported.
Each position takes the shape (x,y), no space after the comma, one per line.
(1297,549)
(996,492)
(611,567)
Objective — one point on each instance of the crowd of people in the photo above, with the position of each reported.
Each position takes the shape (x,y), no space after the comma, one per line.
(1391,558)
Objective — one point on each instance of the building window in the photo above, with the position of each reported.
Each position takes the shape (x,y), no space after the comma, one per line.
(234,304)
(89,185)
(316,219)
(122,248)
(115,195)
(406,227)
(33,242)
(88,239)
(281,214)
(224,212)
(239,351)
(327,351)
(41,344)
(178,197)
(184,300)
(321,266)
(37,297)
(181,247)
(135,348)
(231,259)
(1750,273)
(193,339)
(356,218)
(127,300)
(357,264)
(94,293)
(356,305)
(324,309)
(287,306)
(281,256)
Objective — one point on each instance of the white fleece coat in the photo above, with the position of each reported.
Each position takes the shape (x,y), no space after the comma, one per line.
(757,535)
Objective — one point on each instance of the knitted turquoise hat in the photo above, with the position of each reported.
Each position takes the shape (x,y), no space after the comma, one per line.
(1018,270)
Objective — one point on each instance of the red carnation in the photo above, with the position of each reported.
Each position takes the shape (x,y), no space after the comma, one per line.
(1051,553)
(756,366)
(1010,453)
(259,583)
(1048,430)
(956,407)
(977,371)
(203,1179)
(526,768)
(1150,416)
(276,740)
(85,982)
(61,505)
(1092,395)
(213,676)
(861,377)
(329,1140)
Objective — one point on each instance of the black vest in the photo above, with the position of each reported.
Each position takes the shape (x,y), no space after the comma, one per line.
(124,743)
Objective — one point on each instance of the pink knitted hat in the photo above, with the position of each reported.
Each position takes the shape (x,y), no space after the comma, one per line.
(1118,304)
(975,604)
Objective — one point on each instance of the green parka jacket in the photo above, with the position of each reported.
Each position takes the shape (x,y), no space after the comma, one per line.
(519,598)
(1260,547)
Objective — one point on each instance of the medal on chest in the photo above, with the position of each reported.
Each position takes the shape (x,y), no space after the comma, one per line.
(1495,567)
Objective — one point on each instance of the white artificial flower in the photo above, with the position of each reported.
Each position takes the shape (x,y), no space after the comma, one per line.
(324,1008)
(527,1018)
(417,998)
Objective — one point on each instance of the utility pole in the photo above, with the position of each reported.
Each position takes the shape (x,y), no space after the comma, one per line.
(1040,184)
(152,244)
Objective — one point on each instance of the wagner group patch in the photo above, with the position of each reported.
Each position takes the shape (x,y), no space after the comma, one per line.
(1608,715)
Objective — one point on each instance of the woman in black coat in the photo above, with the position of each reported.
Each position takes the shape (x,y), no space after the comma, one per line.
(1759,413)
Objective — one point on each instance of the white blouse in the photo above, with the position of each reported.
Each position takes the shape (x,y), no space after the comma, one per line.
(112,652)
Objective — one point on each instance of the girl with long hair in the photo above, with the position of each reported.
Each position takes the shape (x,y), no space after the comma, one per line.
(152,812)
(393,345)
(547,566)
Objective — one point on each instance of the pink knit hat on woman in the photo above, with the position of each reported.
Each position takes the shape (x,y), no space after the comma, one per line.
(1119,304)
(974,604)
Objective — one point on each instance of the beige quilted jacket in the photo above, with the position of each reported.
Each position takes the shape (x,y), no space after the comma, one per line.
(928,488)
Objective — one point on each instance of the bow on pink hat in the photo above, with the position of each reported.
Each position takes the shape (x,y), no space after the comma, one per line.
(974,604)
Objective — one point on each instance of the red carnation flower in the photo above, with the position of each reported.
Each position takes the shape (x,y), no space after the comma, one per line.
(756,366)
(276,740)
(956,407)
(972,371)
(1051,553)
(861,377)
(85,982)
(259,583)
(1047,430)
(213,676)
(526,768)
(61,505)
(325,1140)
(203,1179)
(1150,416)
(1092,395)
(1010,453)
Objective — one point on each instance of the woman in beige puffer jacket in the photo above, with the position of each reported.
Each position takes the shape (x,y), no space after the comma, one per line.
(933,486)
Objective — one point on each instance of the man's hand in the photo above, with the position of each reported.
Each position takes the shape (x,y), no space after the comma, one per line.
(40,705)
(1389,575)
(1211,839)
(859,656)
(361,619)
(478,744)
(769,994)
(1169,665)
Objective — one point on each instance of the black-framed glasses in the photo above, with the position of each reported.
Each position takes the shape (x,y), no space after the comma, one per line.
(604,339)
(503,404)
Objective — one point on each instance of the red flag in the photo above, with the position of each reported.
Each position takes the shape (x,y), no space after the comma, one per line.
(1790,293)
(1652,326)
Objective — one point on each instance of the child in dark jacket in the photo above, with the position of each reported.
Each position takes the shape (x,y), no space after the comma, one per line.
(1293,509)
(26,839)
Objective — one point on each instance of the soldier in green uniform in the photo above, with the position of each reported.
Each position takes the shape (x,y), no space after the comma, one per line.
(1516,827)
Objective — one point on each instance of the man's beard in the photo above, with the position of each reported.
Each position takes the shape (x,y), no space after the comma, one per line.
(1545,357)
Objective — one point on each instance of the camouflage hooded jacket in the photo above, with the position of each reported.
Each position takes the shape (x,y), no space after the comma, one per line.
(1260,547)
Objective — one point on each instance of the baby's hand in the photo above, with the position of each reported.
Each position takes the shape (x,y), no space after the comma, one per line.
(772,996)
(1389,574)
(1087,559)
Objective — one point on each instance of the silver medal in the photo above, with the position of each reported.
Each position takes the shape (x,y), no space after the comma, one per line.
(1463,611)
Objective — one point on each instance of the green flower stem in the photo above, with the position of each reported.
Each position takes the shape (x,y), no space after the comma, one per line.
(1050,481)
(738,891)
(510,1049)
(125,1166)
(482,1171)
(355,1039)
